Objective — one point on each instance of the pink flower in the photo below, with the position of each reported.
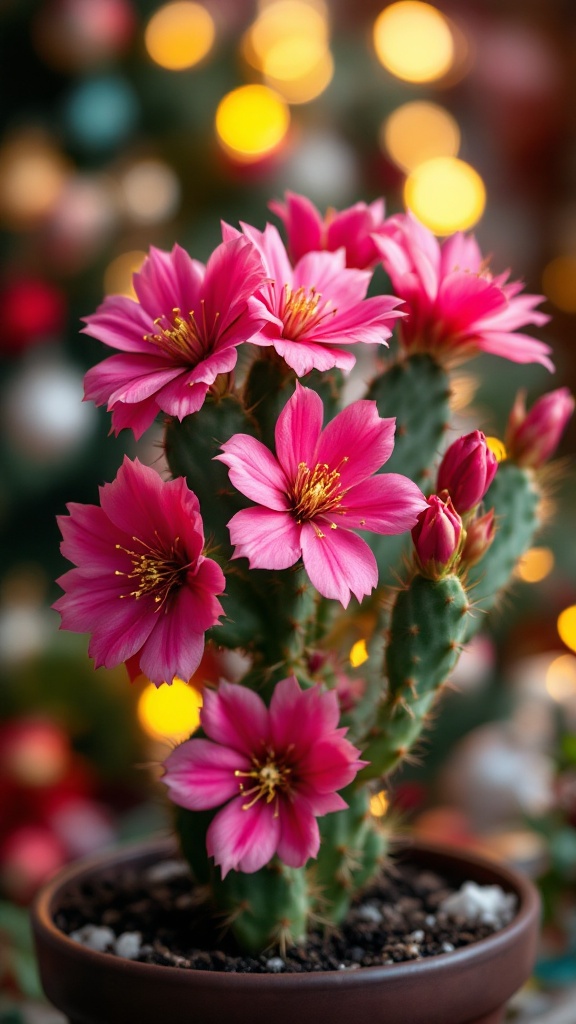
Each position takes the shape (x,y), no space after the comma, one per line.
(455,305)
(316,491)
(480,534)
(467,470)
(350,229)
(142,586)
(178,337)
(437,537)
(532,437)
(313,308)
(276,769)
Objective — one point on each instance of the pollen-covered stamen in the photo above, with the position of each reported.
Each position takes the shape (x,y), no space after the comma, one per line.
(182,337)
(269,777)
(302,310)
(316,491)
(158,571)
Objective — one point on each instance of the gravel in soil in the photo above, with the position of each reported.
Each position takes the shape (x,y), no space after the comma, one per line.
(155,916)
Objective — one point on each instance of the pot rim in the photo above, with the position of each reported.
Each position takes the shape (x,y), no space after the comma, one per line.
(454,857)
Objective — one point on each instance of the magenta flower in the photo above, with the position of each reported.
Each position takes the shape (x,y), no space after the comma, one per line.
(142,586)
(480,534)
(467,470)
(437,536)
(180,334)
(455,306)
(532,437)
(276,770)
(316,491)
(350,229)
(313,308)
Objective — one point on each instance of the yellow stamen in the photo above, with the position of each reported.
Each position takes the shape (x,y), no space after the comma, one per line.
(269,777)
(301,311)
(180,336)
(158,571)
(316,491)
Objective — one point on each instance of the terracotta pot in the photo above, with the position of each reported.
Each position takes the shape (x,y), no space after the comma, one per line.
(469,986)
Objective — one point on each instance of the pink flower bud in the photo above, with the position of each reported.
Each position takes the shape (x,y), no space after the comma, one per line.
(467,470)
(532,437)
(479,535)
(437,536)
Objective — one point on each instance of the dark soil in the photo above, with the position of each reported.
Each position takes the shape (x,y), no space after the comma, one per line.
(395,920)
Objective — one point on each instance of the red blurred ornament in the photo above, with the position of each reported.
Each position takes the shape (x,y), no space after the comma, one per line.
(33,310)
(79,34)
(28,856)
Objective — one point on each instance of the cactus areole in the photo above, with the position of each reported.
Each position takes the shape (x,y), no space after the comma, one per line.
(286,524)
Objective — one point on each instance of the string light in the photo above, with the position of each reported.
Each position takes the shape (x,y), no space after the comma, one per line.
(413,41)
(446,194)
(419,131)
(567,627)
(169,712)
(251,122)
(358,653)
(561,678)
(179,35)
(151,191)
(535,565)
(379,804)
(279,28)
(559,282)
(118,273)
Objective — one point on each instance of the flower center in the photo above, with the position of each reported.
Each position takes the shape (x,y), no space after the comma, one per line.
(157,572)
(301,311)
(269,777)
(316,491)
(180,336)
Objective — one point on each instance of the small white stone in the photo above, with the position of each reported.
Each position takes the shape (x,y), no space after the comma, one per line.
(96,937)
(447,947)
(166,870)
(417,936)
(430,920)
(413,949)
(128,945)
(275,964)
(367,912)
(488,904)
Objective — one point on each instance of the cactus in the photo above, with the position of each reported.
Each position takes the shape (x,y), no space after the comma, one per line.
(295,541)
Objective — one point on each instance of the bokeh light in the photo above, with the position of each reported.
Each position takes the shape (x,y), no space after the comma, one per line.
(118,273)
(446,194)
(379,804)
(151,191)
(251,122)
(312,78)
(282,28)
(169,712)
(413,41)
(535,565)
(358,653)
(33,174)
(567,626)
(179,35)
(497,447)
(561,678)
(559,282)
(419,131)
(100,112)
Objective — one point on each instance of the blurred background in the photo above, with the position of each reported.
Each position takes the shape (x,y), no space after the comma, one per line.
(130,123)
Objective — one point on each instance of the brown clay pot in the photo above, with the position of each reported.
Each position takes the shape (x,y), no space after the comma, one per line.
(469,986)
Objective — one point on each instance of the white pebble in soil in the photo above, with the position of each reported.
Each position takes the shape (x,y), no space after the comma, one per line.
(368,912)
(487,904)
(166,870)
(275,964)
(96,937)
(128,945)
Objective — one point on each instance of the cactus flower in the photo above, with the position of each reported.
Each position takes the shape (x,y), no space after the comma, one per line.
(314,308)
(456,307)
(532,437)
(437,537)
(350,229)
(142,586)
(316,491)
(479,536)
(180,334)
(275,769)
(467,470)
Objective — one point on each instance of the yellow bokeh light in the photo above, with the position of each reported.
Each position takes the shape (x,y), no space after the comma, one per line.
(309,85)
(413,41)
(251,122)
(118,273)
(33,175)
(379,804)
(561,678)
(358,653)
(419,131)
(535,565)
(559,282)
(169,712)
(179,35)
(497,447)
(567,626)
(284,24)
(446,194)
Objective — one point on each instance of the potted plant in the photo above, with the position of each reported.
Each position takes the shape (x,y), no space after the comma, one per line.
(295,524)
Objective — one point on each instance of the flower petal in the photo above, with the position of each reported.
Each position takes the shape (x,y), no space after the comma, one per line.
(255,472)
(268,539)
(243,838)
(297,430)
(388,503)
(299,834)
(236,717)
(199,774)
(338,563)
(356,442)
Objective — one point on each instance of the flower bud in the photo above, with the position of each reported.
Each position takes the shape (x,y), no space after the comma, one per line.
(467,470)
(479,535)
(437,537)
(532,437)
